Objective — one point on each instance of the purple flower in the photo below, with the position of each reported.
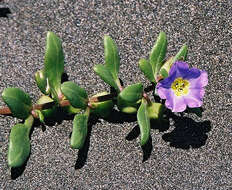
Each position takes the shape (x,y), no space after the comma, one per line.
(183,87)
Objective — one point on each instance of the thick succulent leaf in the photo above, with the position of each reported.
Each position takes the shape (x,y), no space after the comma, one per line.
(164,71)
(132,93)
(144,122)
(112,59)
(54,63)
(155,110)
(19,145)
(76,95)
(182,54)
(42,82)
(18,101)
(103,108)
(79,133)
(158,52)
(146,68)
(127,107)
(105,75)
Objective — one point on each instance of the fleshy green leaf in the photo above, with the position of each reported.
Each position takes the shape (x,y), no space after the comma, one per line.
(132,93)
(182,54)
(76,95)
(103,108)
(19,145)
(164,71)
(112,59)
(127,107)
(79,132)
(146,68)
(18,101)
(54,63)
(42,82)
(48,113)
(155,110)
(105,75)
(144,122)
(158,52)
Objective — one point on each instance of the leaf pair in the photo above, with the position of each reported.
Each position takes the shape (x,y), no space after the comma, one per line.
(49,79)
(151,68)
(109,71)
(156,66)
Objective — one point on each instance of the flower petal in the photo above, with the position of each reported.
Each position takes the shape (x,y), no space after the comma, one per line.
(162,92)
(199,82)
(191,74)
(167,82)
(180,67)
(176,104)
(194,98)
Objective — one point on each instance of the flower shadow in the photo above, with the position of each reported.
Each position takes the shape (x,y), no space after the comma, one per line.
(187,133)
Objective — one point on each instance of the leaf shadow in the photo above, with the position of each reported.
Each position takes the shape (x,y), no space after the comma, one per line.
(18,171)
(187,133)
(83,152)
(147,148)
(120,117)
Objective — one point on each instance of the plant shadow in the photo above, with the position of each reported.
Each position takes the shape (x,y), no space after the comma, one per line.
(120,117)
(187,133)
(4,12)
(147,148)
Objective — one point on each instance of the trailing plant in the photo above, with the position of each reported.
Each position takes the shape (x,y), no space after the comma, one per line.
(171,79)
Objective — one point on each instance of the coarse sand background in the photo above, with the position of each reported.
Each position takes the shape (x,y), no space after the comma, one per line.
(191,153)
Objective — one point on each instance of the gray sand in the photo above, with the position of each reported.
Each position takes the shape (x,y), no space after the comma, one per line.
(191,153)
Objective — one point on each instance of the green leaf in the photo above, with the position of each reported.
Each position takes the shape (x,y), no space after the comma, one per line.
(19,145)
(146,68)
(54,64)
(76,95)
(103,108)
(164,71)
(79,132)
(105,75)
(18,101)
(158,52)
(42,82)
(155,110)
(182,54)
(48,113)
(144,122)
(112,59)
(127,107)
(132,93)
